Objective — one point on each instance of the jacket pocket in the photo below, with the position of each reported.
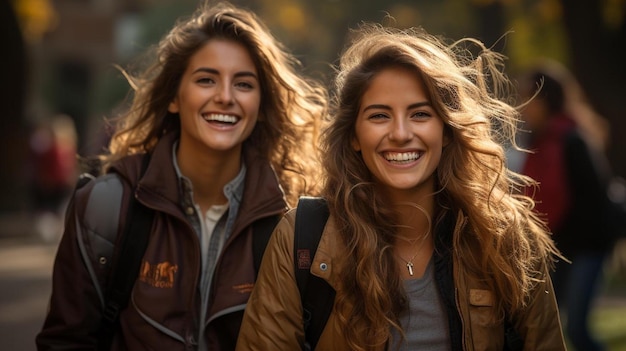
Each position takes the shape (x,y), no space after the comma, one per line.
(481,308)
(487,332)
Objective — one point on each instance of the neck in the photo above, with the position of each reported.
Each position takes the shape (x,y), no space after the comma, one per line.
(208,175)
(415,221)
(414,213)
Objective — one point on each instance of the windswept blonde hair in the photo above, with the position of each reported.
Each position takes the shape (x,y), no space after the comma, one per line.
(291,108)
(503,242)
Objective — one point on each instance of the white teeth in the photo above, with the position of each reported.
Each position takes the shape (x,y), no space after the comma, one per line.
(221,118)
(402,156)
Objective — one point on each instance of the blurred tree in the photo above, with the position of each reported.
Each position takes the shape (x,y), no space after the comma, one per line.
(111,91)
(537,32)
(597,34)
(13,90)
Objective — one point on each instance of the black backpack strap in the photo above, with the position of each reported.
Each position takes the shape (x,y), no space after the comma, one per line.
(512,340)
(101,228)
(261,232)
(316,294)
(125,271)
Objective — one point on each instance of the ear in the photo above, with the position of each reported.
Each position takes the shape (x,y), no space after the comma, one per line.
(355,145)
(173,107)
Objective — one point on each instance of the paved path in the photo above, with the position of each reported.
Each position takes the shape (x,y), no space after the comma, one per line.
(25,270)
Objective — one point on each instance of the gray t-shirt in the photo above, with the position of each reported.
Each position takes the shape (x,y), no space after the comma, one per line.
(425,323)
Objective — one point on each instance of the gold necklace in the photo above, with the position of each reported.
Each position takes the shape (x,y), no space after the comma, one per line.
(409,263)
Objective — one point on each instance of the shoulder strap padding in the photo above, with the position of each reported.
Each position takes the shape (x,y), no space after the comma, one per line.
(316,294)
(102,215)
(130,251)
(311,217)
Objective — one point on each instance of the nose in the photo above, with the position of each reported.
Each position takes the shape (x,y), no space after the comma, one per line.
(400,130)
(224,94)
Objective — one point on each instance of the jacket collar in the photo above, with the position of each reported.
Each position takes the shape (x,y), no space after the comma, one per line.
(330,249)
(262,193)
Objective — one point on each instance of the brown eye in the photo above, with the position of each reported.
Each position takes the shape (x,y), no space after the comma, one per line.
(205,81)
(421,115)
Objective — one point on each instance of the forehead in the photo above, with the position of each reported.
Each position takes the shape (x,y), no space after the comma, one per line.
(395,85)
(222,55)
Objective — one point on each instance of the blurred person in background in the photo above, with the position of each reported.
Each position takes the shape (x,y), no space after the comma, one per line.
(53,172)
(567,139)
(229,127)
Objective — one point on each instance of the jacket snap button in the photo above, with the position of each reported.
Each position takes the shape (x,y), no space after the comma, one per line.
(189,210)
(103,260)
(323,266)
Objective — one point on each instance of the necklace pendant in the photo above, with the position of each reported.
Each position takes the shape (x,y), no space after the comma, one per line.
(409,266)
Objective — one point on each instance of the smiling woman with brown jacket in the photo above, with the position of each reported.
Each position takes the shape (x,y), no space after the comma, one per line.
(228,126)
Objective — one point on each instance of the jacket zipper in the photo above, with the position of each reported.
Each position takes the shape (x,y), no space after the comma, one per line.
(190,341)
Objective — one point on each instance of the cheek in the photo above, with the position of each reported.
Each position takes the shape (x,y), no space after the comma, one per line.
(253,103)
(438,135)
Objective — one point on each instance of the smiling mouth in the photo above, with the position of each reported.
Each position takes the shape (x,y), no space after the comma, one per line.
(402,157)
(221,118)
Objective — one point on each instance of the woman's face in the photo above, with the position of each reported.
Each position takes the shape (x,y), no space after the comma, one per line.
(399,134)
(218,98)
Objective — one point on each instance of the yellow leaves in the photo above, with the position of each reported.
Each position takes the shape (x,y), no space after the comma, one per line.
(36,17)
(292,17)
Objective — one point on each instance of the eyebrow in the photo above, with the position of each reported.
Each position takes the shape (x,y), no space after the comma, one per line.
(386,107)
(216,72)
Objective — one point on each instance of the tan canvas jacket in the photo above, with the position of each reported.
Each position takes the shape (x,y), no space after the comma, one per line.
(273,317)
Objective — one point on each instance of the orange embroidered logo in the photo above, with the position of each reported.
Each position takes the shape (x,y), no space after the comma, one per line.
(160,275)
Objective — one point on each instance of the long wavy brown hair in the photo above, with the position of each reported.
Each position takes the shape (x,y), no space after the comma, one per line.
(503,242)
(291,110)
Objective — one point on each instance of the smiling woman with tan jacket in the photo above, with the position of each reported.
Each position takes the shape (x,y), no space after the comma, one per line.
(427,245)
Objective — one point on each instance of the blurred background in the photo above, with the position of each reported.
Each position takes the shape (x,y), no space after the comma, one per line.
(58,85)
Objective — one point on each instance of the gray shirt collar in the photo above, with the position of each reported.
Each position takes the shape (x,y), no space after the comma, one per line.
(233,191)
